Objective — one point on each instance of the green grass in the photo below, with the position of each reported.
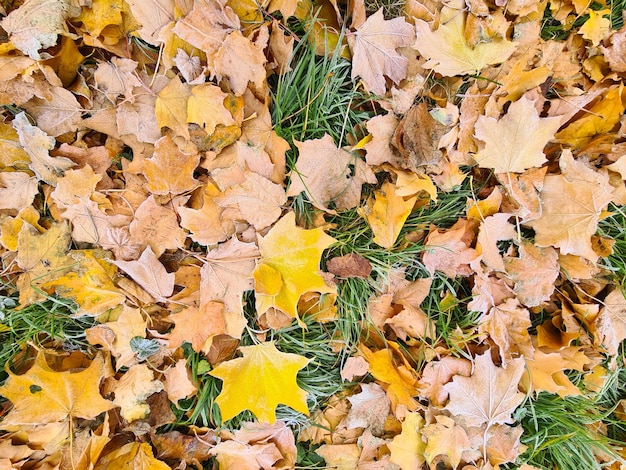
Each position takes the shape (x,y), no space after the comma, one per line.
(614,227)
(49,323)
(560,434)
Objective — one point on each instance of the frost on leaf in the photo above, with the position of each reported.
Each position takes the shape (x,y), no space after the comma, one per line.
(36,24)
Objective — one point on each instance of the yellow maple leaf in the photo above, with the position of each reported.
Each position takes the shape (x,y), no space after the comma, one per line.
(170,171)
(447,50)
(42,257)
(132,456)
(387,213)
(289,266)
(171,107)
(90,283)
(407,448)
(259,381)
(398,379)
(447,438)
(206,107)
(43,395)
(515,142)
(100,14)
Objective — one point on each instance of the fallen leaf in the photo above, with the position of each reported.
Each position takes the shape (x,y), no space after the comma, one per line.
(17,190)
(489,396)
(268,375)
(438,373)
(387,214)
(399,381)
(374,51)
(242,61)
(515,142)
(234,454)
(448,252)
(130,457)
(37,145)
(150,274)
(170,171)
(289,266)
(197,326)
(507,324)
(535,272)
(43,395)
(171,107)
(35,25)
(177,383)
(206,107)
(328,175)
(350,265)
(340,456)
(369,409)
(447,50)
(572,203)
(445,437)
(407,448)
(132,391)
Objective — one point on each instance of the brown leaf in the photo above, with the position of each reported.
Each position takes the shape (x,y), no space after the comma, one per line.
(369,409)
(350,265)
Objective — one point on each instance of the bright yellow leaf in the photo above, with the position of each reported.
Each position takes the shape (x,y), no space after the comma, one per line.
(294,254)
(259,381)
(407,448)
(90,283)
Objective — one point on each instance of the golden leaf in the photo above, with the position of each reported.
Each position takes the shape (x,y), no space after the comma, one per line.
(259,381)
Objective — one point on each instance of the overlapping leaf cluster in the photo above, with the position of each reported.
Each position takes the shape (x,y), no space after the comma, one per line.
(142,178)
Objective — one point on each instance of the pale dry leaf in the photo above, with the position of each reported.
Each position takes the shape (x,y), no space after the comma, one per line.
(257,200)
(207,25)
(572,204)
(225,275)
(177,383)
(535,272)
(156,226)
(150,274)
(515,142)
(369,409)
(490,395)
(438,373)
(17,190)
(242,61)
(153,16)
(38,145)
(374,47)
(56,114)
(494,229)
(329,175)
(36,24)
(445,437)
(507,324)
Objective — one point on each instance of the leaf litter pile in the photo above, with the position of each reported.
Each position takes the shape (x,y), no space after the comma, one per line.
(289,234)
